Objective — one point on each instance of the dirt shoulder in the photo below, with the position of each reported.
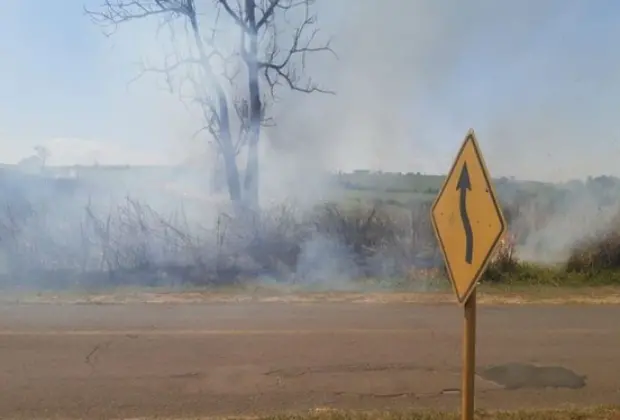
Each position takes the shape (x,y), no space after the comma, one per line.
(595,413)
(487,295)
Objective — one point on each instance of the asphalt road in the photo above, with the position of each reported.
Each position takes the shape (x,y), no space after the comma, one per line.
(140,360)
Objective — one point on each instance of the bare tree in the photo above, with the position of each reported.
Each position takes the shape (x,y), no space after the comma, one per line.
(264,26)
(257,53)
(42,153)
(193,66)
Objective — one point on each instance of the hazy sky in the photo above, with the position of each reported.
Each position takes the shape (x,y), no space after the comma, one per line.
(539,81)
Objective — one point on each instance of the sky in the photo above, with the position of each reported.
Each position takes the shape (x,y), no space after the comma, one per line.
(539,81)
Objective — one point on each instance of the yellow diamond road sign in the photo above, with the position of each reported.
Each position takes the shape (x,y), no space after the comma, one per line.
(467,218)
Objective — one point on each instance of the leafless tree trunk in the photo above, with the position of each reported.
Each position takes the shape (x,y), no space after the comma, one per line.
(223,134)
(251,59)
(262,52)
(215,109)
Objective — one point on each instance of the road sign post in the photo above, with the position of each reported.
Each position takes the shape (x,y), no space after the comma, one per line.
(469,224)
(469,358)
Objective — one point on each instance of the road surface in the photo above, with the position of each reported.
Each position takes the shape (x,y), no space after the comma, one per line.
(140,360)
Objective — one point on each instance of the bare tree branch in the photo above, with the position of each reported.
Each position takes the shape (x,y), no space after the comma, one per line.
(267,13)
(283,68)
(115,12)
(207,87)
(236,16)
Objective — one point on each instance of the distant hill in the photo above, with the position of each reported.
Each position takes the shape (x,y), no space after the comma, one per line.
(361,185)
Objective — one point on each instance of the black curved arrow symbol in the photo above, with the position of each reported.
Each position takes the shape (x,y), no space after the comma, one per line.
(463,185)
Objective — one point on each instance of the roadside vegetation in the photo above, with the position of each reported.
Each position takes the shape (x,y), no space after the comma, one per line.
(373,230)
(354,243)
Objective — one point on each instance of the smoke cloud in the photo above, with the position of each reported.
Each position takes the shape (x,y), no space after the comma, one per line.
(537,80)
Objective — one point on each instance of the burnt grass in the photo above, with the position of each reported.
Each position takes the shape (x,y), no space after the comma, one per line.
(329,246)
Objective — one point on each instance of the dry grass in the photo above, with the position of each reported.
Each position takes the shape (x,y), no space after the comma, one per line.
(568,414)
(595,413)
(132,244)
(601,251)
(487,295)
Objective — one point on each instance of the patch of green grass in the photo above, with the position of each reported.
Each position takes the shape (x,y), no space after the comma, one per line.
(597,413)
(391,181)
(529,274)
(402,198)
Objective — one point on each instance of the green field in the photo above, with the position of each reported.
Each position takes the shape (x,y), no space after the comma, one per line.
(407,188)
